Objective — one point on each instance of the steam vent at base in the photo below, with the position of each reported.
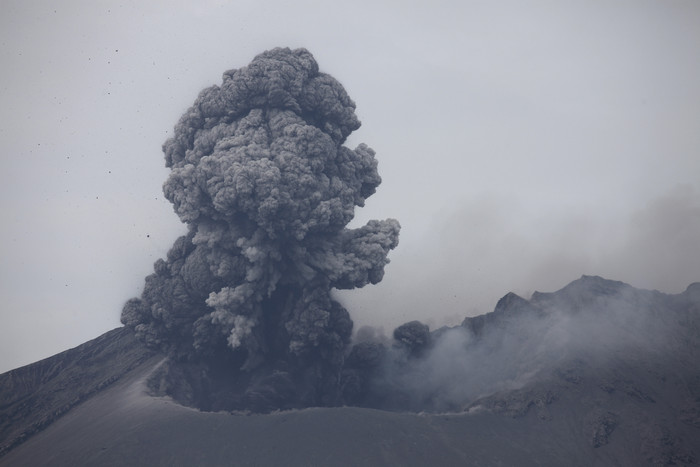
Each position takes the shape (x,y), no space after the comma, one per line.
(260,175)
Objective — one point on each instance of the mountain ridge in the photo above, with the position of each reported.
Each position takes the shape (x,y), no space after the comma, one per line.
(549,384)
(35,395)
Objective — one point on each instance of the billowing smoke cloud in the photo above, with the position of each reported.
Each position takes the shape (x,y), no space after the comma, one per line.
(242,303)
(260,175)
(593,328)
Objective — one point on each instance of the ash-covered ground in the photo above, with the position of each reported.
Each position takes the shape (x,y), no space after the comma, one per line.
(597,373)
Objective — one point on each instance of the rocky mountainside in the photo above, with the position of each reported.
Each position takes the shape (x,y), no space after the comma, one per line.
(597,373)
(624,375)
(35,395)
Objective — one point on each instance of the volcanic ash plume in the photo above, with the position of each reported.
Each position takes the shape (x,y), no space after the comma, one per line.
(262,179)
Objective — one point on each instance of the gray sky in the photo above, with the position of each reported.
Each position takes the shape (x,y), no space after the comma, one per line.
(522,144)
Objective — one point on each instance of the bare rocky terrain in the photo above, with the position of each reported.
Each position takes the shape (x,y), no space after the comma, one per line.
(569,392)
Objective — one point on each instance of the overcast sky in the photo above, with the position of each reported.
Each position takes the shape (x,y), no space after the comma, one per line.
(521,143)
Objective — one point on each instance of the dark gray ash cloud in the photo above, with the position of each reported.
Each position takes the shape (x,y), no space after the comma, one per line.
(260,175)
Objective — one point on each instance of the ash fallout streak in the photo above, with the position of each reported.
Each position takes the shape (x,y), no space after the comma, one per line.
(260,175)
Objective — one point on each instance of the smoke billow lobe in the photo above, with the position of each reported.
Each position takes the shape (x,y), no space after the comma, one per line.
(260,175)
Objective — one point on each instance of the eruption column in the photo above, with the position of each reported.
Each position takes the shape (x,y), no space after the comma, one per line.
(260,175)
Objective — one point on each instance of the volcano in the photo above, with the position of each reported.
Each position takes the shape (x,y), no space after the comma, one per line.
(597,373)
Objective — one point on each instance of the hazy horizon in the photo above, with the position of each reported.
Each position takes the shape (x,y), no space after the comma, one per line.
(521,145)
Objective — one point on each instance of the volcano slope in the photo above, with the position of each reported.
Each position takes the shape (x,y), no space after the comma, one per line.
(597,373)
